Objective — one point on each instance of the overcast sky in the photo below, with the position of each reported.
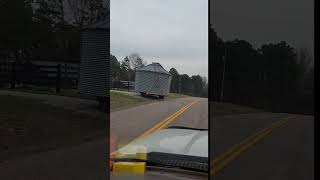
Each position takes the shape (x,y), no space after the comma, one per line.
(264,21)
(171,32)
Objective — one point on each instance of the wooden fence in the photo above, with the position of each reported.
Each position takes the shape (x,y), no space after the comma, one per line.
(59,75)
(128,85)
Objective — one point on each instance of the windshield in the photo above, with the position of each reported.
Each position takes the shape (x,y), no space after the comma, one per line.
(156,83)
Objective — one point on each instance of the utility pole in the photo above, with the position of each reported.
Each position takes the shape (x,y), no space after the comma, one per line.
(224,70)
(179,84)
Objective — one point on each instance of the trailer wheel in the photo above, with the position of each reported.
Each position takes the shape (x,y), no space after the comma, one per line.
(143,94)
(161,97)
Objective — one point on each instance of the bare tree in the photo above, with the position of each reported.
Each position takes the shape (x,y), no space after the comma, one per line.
(49,11)
(85,12)
(136,61)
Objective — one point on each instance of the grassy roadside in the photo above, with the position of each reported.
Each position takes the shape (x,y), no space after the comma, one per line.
(50,91)
(29,125)
(221,109)
(120,100)
(175,96)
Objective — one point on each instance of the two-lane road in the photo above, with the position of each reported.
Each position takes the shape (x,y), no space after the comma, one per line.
(129,124)
(265,146)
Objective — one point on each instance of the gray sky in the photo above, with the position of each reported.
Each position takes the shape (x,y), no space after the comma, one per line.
(171,32)
(263,21)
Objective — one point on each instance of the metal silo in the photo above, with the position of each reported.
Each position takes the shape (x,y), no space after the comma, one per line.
(95,61)
(152,79)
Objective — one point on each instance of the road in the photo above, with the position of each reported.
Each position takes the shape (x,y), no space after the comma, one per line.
(280,152)
(128,124)
(88,161)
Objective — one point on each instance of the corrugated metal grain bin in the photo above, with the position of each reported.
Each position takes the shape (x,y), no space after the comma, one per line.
(95,60)
(152,79)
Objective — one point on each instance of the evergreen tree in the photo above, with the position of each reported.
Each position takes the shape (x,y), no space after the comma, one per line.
(16,27)
(175,80)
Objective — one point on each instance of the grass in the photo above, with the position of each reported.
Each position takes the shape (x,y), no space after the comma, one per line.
(76,94)
(51,91)
(28,125)
(220,109)
(175,96)
(124,100)
(119,101)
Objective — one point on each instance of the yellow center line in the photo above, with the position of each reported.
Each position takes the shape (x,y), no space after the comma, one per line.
(166,121)
(234,152)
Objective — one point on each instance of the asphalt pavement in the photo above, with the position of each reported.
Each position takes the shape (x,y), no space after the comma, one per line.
(286,152)
(126,125)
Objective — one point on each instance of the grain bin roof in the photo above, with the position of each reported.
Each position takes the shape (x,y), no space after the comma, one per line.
(154,67)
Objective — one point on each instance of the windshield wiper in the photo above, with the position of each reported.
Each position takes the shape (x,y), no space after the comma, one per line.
(193,163)
(184,127)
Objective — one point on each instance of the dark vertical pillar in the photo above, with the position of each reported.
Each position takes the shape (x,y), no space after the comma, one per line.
(13,75)
(58,80)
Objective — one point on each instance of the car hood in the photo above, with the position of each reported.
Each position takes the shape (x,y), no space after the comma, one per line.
(175,141)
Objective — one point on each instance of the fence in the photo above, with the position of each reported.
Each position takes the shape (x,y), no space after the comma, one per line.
(128,85)
(59,75)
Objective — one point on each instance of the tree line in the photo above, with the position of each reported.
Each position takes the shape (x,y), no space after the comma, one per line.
(273,76)
(46,28)
(195,85)
(124,70)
